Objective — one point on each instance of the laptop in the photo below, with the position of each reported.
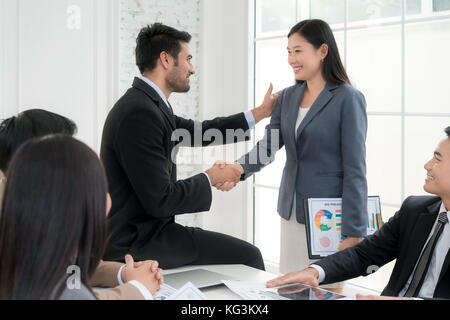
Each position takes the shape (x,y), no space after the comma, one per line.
(201,278)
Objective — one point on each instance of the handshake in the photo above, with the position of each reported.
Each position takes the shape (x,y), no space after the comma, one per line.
(224,175)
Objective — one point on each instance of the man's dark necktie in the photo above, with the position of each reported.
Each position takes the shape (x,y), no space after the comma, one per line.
(424,261)
(170,108)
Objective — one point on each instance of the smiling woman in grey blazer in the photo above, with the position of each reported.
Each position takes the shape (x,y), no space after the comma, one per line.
(322,123)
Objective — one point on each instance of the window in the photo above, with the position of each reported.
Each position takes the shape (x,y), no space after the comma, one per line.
(395,53)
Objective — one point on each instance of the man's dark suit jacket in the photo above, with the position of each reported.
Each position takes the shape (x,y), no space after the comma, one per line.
(136,151)
(402,238)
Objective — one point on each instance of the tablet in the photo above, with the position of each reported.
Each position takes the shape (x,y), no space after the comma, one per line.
(299,291)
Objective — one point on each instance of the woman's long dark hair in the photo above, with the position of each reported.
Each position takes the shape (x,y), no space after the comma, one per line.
(318,32)
(53,216)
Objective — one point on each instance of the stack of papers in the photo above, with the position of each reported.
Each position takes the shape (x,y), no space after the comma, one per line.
(251,290)
(187,292)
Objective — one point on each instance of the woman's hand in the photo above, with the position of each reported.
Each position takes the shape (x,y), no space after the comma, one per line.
(146,272)
(154,268)
(268,105)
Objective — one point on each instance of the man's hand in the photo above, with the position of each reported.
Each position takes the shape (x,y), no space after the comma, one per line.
(227,186)
(146,272)
(307,276)
(348,243)
(372,297)
(221,173)
(268,105)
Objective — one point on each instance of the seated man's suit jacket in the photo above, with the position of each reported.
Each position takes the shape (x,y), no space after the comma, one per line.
(402,238)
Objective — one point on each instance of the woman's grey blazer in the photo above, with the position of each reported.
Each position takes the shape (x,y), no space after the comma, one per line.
(328,159)
(81,293)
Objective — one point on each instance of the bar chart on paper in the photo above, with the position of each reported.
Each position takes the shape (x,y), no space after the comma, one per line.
(371,223)
(373,209)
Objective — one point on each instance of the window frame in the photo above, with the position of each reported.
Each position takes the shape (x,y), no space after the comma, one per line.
(303,12)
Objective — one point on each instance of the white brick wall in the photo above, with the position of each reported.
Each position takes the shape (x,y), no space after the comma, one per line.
(182,15)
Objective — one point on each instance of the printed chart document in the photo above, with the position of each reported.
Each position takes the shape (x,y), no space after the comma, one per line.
(251,290)
(324,224)
(188,292)
(165,292)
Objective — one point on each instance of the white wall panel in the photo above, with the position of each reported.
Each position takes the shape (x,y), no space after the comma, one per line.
(57,59)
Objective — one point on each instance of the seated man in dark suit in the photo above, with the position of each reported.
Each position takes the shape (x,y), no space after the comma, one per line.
(139,144)
(418,236)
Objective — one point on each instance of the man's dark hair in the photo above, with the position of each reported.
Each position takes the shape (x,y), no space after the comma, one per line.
(154,39)
(30,124)
(447,131)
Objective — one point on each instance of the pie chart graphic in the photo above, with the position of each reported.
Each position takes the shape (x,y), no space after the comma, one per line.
(323,220)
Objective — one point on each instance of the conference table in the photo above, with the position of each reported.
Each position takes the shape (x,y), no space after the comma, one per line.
(238,272)
(248,274)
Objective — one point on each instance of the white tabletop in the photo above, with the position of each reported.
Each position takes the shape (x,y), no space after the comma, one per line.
(238,272)
(248,274)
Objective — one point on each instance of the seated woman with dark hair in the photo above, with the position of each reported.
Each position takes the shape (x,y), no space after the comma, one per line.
(30,124)
(34,123)
(60,224)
